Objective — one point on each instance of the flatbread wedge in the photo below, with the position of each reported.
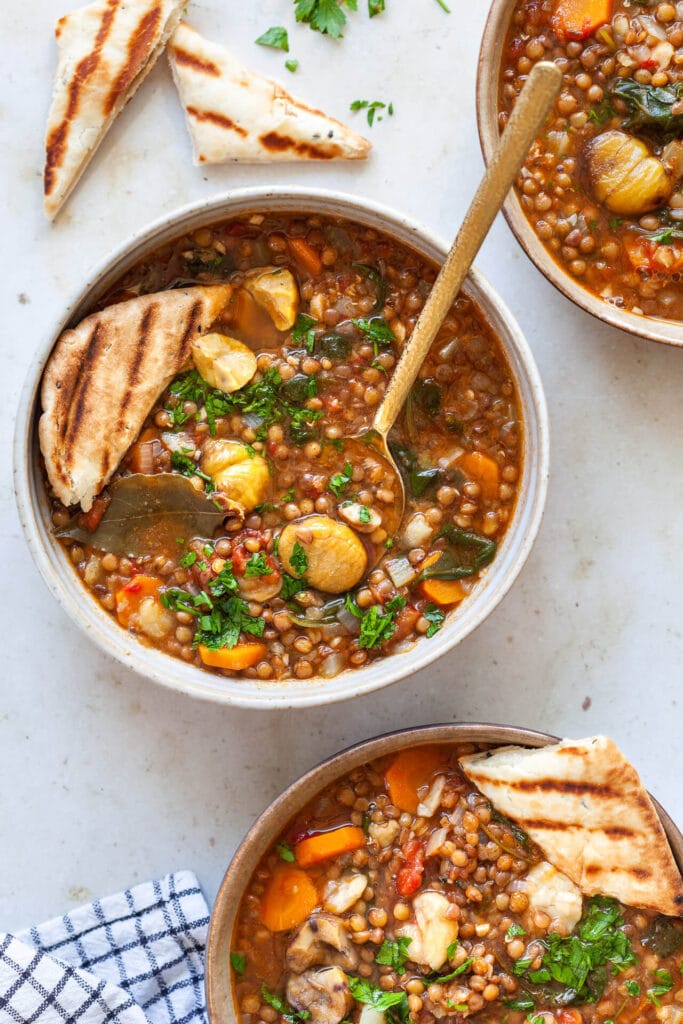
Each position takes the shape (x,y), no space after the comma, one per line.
(105,51)
(583,803)
(105,375)
(234,114)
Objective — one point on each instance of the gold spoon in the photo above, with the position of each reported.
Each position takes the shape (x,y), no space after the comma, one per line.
(525,122)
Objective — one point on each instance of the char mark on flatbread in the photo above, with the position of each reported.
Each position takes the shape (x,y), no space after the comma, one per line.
(584,805)
(104,377)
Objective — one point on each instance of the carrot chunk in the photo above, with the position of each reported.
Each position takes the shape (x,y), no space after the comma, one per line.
(409,771)
(233,658)
(578,19)
(484,470)
(306,256)
(443,591)
(289,898)
(130,596)
(313,849)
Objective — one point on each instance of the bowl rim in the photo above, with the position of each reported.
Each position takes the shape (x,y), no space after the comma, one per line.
(247,693)
(219,1003)
(666,332)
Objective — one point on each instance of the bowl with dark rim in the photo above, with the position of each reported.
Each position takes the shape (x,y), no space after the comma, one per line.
(273,820)
(668,332)
(162,668)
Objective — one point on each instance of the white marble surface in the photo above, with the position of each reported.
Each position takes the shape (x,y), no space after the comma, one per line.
(106,779)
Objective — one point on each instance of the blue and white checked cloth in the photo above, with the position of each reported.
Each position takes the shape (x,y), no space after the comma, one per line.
(133,958)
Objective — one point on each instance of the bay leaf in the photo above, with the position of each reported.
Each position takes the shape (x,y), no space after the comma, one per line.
(148,514)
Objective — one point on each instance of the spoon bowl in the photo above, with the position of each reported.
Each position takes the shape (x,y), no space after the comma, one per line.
(531,110)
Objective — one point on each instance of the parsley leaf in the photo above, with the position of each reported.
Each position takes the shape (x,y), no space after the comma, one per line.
(276,37)
(364,514)
(373,107)
(376,330)
(340,481)
(188,559)
(257,566)
(286,852)
(394,954)
(182,463)
(442,5)
(325,16)
(434,617)
(395,604)
(375,7)
(375,628)
(514,930)
(239,963)
(633,988)
(298,559)
(663,984)
(291,587)
(292,65)
(460,969)
(394,1004)
(291,1015)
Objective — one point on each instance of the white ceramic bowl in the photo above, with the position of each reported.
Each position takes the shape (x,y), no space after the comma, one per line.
(161,668)
(271,822)
(670,332)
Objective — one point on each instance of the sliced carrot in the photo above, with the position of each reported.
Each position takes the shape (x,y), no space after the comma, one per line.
(233,658)
(484,470)
(443,591)
(289,898)
(305,255)
(130,596)
(409,771)
(313,849)
(578,19)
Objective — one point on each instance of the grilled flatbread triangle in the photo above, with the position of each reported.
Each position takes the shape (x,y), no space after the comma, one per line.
(234,114)
(105,51)
(104,376)
(583,803)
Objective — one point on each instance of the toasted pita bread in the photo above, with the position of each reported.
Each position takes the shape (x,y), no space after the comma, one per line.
(585,806)
(104,376)
(105,51)
(234,114)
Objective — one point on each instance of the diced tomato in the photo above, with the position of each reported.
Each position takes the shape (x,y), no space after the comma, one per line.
(409,878)
(648,64)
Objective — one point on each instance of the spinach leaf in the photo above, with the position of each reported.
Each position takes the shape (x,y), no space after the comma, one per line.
(466,554)
(650,106)
(665,936)
(374,275)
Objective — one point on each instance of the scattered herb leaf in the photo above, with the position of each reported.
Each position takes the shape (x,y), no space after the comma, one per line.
(275,37)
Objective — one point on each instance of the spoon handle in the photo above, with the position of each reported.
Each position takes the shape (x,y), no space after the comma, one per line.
(525,122)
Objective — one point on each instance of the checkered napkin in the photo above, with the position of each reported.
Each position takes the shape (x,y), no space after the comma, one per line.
(133,958)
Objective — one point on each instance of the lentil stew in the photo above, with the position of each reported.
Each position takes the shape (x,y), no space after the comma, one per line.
(256,426)
(399,894)
(602,187)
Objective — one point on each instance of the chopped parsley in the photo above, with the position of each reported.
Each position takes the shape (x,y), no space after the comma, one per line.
(303,332)
(393,1004)
(257,566)
(581,961)
(298,559)
(460,969)
(292,65)
(663,984)
(395,604)
(291,1015)
(188,559)
(264,401)
(394,954)
(239,963)
(633,988)
(451,948)
(286,852)
(182,463)
(434,617)
(376,330)
(525,1003)
(663,236)
(324,16)
(375,628)
(442,5)
(340,481)
(514,930)
(220,615)
(291,587)
(275,37)
(375,7)
(372,108)
(364,514)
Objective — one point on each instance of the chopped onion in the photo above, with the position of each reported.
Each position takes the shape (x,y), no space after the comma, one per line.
(436,841)
(332,665)
(427,807)
(401,572)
